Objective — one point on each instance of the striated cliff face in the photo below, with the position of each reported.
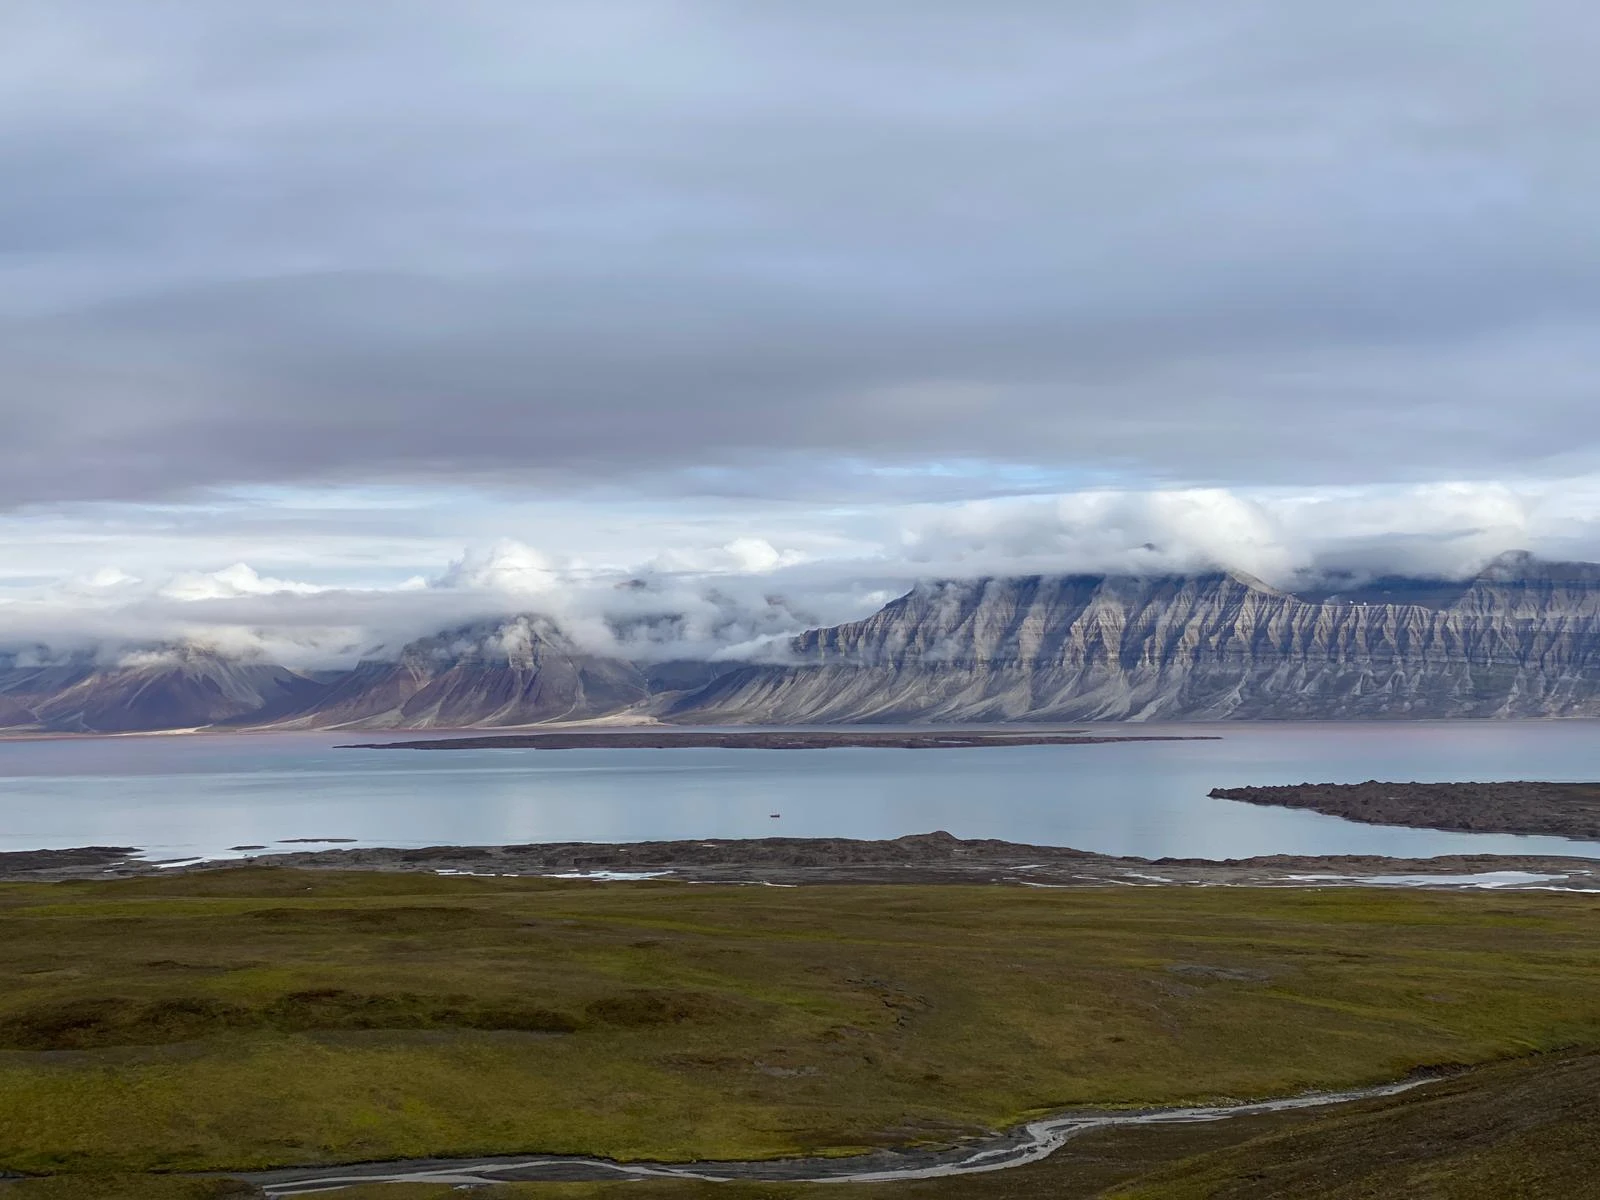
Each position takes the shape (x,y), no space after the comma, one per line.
(1520,640)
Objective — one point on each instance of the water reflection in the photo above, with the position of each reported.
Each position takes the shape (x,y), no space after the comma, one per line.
(201,795)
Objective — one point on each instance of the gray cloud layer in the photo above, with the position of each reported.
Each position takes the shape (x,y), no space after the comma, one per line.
(717,247)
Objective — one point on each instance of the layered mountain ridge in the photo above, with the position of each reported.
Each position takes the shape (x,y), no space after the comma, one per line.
(1520,639)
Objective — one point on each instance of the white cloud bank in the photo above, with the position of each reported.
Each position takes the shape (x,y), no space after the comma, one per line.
(725,589)
(1445,530)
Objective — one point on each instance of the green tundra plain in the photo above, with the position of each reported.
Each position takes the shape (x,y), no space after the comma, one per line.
(243,1018)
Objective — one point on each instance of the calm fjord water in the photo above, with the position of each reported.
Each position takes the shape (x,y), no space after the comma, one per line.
(201,794)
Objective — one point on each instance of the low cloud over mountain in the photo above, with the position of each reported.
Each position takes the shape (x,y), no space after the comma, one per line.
(703,323)
(744,595)
(1521,638)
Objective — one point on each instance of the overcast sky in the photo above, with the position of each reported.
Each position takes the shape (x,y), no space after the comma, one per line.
(376,311)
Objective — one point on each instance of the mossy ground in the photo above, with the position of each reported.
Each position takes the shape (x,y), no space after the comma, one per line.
(1521,1130)
(246,1018)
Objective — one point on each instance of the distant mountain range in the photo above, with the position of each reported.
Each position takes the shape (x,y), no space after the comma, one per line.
(174,688)
(1520,639)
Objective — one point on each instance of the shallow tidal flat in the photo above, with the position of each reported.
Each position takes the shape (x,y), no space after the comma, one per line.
(251,1017)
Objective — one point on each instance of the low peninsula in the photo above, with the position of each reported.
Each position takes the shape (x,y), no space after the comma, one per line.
(771,739)
(1569,810)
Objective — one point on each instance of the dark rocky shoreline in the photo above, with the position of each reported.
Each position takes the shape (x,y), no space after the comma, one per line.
(929,858)
(1569,810)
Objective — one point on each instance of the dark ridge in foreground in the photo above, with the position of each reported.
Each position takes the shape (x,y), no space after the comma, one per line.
(77,860)
(1560,809)
(765,740)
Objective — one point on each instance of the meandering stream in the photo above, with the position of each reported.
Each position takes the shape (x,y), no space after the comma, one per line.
(1024,1144)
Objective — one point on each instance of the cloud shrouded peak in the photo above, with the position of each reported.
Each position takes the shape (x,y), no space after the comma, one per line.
(726,591)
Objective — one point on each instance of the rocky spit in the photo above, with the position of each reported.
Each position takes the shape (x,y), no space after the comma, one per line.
(1570,810)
